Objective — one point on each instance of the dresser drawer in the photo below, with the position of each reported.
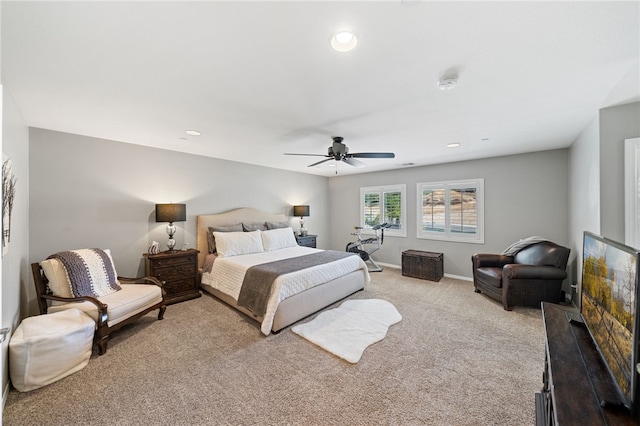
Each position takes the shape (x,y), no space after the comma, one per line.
(165,273)
(174,261)
(306,240)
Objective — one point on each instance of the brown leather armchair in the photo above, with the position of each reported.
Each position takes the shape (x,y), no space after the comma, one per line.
(533,275)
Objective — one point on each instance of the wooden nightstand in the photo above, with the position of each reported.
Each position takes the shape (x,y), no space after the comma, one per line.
(178,271)
(307,240)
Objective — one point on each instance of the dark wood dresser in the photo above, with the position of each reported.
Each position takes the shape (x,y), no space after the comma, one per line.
(575,379)
(178,270)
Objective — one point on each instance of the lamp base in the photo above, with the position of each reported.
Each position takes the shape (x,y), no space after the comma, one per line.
(171,243)
(303,231)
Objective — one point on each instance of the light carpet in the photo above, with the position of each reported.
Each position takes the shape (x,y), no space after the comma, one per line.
(349,329)
(457,358)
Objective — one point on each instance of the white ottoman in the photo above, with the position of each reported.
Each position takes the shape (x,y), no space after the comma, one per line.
(46,348)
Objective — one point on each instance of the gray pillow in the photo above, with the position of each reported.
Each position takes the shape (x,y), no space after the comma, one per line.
(248,227)
(277,225)
(211,241)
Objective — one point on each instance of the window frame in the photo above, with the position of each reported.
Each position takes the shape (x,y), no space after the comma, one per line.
(447,235)
(381,189)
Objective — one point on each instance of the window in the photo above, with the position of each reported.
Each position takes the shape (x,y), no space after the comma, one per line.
(451,211)
(382,204)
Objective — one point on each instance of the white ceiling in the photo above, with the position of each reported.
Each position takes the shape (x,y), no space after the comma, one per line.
(259,79)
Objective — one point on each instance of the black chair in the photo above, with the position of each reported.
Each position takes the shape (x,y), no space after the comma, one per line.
(531,276)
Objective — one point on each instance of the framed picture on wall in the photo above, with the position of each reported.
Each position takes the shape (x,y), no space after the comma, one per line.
(8,197)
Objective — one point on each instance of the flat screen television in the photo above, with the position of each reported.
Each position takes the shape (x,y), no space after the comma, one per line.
(609,309)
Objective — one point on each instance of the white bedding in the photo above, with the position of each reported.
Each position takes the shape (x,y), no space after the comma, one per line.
(227,275)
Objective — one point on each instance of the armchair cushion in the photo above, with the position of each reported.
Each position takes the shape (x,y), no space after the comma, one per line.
(130,300)
(491,276)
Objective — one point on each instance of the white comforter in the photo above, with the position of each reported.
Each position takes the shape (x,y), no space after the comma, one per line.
(228,273)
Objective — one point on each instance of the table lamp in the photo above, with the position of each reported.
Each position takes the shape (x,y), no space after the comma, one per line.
(301,212)
(171,213)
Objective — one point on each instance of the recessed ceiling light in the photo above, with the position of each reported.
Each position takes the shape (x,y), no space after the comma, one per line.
(344,41)
(453,145)
(448,82)
(193,133)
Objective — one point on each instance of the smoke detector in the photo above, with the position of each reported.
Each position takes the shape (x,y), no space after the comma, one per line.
(448,82)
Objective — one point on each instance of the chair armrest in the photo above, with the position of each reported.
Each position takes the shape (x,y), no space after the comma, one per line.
(149,280)
(99,304)
(523,272)
(489,259)
(141,280)
(102,307)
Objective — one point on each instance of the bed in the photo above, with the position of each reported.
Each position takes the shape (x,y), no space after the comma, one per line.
(228,267)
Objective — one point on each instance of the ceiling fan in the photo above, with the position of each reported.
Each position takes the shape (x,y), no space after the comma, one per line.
(340,152)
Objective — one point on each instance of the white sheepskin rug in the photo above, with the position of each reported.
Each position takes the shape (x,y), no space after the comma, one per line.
(349,329)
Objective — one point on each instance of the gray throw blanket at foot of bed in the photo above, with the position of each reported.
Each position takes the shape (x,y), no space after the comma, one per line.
(258,280)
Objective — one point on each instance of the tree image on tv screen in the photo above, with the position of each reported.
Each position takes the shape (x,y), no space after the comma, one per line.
(608,305)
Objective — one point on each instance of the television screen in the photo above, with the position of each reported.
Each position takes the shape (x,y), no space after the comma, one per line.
(608,306)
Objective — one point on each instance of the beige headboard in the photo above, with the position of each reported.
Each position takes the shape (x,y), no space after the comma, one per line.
(232,217)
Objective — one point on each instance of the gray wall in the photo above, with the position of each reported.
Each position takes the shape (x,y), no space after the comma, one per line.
(525,195)
(15,263)
(596,183)
(617,123)
(88,192)
(584,190)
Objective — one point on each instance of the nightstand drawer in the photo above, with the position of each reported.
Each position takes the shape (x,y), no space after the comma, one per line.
(174,261)
(165,273)
(180,285)
(306,240)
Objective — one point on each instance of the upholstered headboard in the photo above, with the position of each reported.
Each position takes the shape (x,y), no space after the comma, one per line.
(232,217)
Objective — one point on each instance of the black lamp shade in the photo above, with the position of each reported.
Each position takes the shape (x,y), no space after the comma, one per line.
(300,211)
(171,212)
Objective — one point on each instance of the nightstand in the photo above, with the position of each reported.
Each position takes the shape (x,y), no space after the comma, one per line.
(178,271)
(307,240)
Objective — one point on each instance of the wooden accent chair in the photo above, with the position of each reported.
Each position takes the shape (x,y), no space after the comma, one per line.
(532,276)
(138,297)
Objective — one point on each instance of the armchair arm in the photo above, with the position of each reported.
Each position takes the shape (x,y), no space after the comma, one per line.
(141,280)
(102,307)
(523,272)
(144,280)
(91,299)
(492,260)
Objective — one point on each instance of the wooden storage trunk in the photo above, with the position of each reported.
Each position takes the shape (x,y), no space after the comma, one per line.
(422,264)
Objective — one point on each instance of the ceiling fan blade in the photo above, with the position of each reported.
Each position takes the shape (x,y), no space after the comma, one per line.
(320,162)
(373,155)
(353,162)
(309,155)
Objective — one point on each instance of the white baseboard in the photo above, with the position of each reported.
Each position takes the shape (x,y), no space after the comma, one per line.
(456,277)
(5,394)
(389,265)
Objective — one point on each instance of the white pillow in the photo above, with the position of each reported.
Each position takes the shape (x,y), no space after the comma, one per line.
(276,239)
(57,277)
(237,243)
(59,280)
